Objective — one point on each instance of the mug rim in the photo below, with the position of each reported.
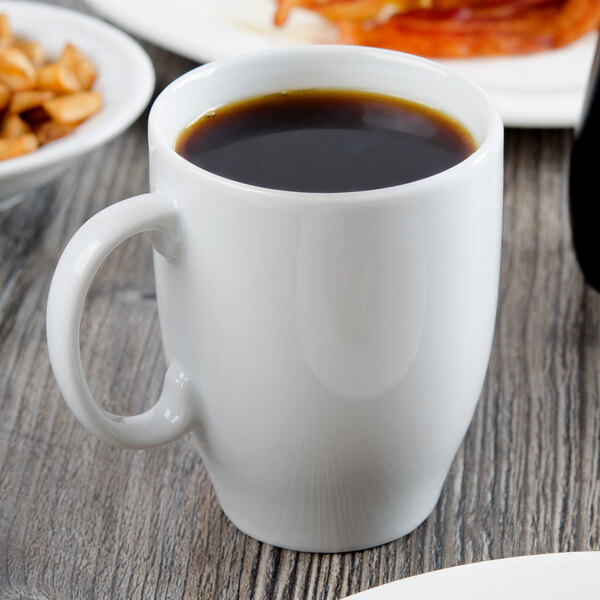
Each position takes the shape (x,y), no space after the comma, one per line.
(494,126)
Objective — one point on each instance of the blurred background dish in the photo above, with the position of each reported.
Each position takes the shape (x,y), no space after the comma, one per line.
(125,81)
(545,89)
(453,28)
(573,575)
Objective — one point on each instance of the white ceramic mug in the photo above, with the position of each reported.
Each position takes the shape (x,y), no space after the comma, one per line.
(326,350)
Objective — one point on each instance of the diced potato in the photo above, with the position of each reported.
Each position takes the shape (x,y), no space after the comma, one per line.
(79,64)
(51,130)
(33,50)
(13,126)
(55,77)
(16,70)
(22,101)
(22,144)
(73,108)
(6,37)
(5,95)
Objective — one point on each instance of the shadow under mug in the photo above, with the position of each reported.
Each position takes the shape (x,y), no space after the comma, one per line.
(326,351)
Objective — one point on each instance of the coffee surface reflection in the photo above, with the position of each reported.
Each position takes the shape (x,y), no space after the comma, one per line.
(325,141)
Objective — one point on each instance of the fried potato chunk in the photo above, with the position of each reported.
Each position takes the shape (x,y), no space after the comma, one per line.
(17,146)
(13,126)
(73,108)
(16,70)
(80,65)
(25,100)
(56,77)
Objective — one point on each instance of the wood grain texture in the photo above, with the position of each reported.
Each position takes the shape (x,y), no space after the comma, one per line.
(80,519)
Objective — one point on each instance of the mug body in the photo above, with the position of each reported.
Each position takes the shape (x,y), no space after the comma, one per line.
(336,343)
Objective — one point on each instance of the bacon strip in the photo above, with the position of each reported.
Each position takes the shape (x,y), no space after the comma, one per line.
(353,10)
(458,28)
(362,10)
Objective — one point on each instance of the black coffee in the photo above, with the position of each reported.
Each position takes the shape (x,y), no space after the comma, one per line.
(325,141)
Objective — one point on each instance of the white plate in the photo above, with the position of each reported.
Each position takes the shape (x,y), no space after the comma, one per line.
(567,576)
(125,80)
(539,90)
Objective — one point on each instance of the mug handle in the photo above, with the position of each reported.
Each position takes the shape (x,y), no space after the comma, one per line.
(172,416)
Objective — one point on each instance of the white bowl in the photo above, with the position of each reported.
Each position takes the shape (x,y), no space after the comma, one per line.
(571,575)
(125,80)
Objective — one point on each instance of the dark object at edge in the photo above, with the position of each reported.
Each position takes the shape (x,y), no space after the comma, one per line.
(584,197)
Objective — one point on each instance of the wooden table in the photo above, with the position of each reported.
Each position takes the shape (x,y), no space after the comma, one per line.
(81,519)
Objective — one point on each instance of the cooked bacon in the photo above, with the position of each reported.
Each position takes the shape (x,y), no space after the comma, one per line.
(362,10)
(459,28)
(353,10)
